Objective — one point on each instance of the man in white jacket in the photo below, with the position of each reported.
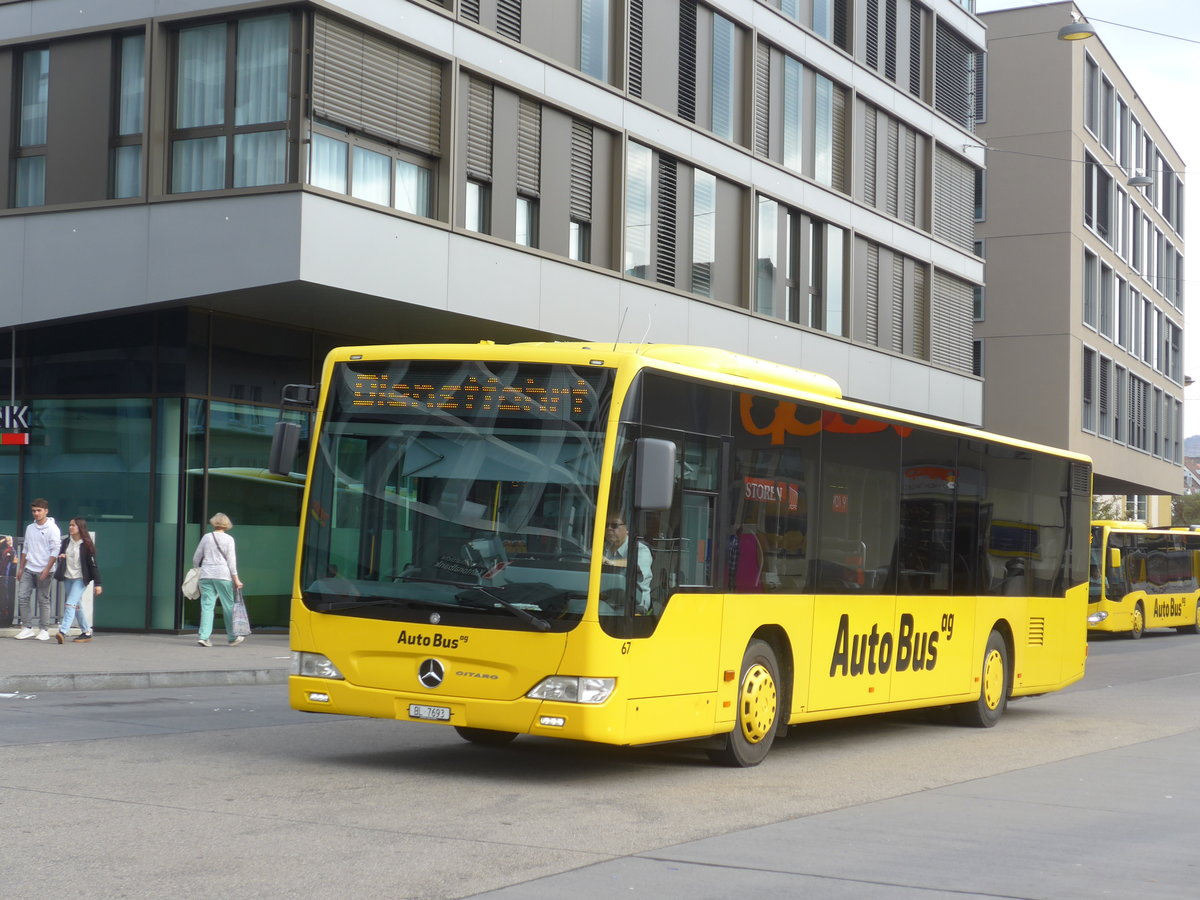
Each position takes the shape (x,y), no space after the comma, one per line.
(42,540)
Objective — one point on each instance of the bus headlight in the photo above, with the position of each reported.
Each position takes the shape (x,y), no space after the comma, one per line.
(1097,617)
(573,689)
(314,665)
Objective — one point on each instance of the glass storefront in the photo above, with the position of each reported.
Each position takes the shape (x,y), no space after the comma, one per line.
(149,470)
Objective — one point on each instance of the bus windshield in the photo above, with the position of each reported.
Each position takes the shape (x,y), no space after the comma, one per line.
(456,492)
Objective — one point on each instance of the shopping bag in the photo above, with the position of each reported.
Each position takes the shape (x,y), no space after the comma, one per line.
(241,621)
(191,584)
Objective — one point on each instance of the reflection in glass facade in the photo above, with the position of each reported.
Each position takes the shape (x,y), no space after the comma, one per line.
(147,472)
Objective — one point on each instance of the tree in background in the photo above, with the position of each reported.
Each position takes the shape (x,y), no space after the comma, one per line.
(1185,509)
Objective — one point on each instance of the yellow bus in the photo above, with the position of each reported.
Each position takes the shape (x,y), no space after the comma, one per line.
(1143,578)
(638,544)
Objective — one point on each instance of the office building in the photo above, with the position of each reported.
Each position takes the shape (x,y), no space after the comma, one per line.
(201,198)
(1080,218)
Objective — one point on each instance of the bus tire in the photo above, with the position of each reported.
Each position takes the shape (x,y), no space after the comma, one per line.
(1138,627)
(485,736)
(1194,628)
(758,709)
(994,684)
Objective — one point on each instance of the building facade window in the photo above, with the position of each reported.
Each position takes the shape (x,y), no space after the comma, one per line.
(800,268)
(231,104)
(704,232)
(30,180)
(1091,287)
(478,213)
(639,160)
(1097,197)
(376,126)
(593,38)
(130,117)
(724,77)
(1088,390)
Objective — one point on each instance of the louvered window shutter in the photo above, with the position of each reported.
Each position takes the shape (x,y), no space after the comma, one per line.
(920,314)
(889,40)
(479,129)
(581,171)
(762,100)
(909,212)
(898,264)
(951,330)
(373,86)
(636,28)
(954,77)
(469,10)
(839,138)
(954,200)
(915,55)
(872,293)
(508,18)
(529,146)
(870,154)
(892,199)
(668,175)
(872,24)
(687,60)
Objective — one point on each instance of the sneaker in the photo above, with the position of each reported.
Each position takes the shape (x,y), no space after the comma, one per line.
(58,636)
(237,640)
(25,632)
(83,638)
(204,643)
(43,635)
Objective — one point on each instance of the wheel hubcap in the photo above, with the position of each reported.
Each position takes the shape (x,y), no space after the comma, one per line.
(758,701)
(993,680)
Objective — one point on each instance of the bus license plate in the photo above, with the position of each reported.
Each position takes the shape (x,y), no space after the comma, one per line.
(440,713)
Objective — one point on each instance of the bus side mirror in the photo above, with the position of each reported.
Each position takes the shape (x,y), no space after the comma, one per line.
(1114,558)
(284,443)
(655,462)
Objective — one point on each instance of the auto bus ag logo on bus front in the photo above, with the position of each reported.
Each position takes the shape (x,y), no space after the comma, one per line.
(877,651)
(437,639)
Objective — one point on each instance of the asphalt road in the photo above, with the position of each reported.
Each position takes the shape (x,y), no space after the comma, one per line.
(224,791)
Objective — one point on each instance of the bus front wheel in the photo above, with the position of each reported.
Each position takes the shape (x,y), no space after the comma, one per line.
(758,709)
(1138,626)
(986,711)
(485,736)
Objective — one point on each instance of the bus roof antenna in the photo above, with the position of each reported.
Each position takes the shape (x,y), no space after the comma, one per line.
(646,333)
(616,340)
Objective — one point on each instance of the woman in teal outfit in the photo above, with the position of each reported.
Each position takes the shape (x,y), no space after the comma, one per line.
(216,558)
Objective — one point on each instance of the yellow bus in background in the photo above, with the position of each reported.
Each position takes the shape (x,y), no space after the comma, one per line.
(1144,578)
(788,556)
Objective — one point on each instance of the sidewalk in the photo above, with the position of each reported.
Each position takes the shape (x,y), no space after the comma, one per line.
(112,661)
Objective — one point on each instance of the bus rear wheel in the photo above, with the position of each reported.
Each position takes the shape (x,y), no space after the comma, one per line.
(485,736)
(758,709)
(1138,626)
(994,686)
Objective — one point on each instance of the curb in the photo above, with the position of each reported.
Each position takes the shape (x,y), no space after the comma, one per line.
(106,681)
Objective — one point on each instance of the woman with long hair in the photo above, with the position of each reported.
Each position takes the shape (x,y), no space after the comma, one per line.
(77,569)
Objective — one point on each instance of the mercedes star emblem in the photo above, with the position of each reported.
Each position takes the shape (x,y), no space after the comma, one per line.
(431,673)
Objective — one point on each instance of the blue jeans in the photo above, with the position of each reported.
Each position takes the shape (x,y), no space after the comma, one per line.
(212,589)
(73,608)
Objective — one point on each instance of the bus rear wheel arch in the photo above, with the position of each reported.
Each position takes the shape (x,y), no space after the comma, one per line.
(995,683)
(1194,628)
(758,709)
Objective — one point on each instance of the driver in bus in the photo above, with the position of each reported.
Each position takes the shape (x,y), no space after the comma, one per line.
(616,553)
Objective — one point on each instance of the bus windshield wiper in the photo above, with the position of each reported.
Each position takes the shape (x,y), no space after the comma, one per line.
(523,614)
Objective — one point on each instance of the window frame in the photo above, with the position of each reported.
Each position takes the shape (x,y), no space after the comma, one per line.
(228,131)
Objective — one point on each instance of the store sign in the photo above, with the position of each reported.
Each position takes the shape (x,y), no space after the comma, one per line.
(15,418)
